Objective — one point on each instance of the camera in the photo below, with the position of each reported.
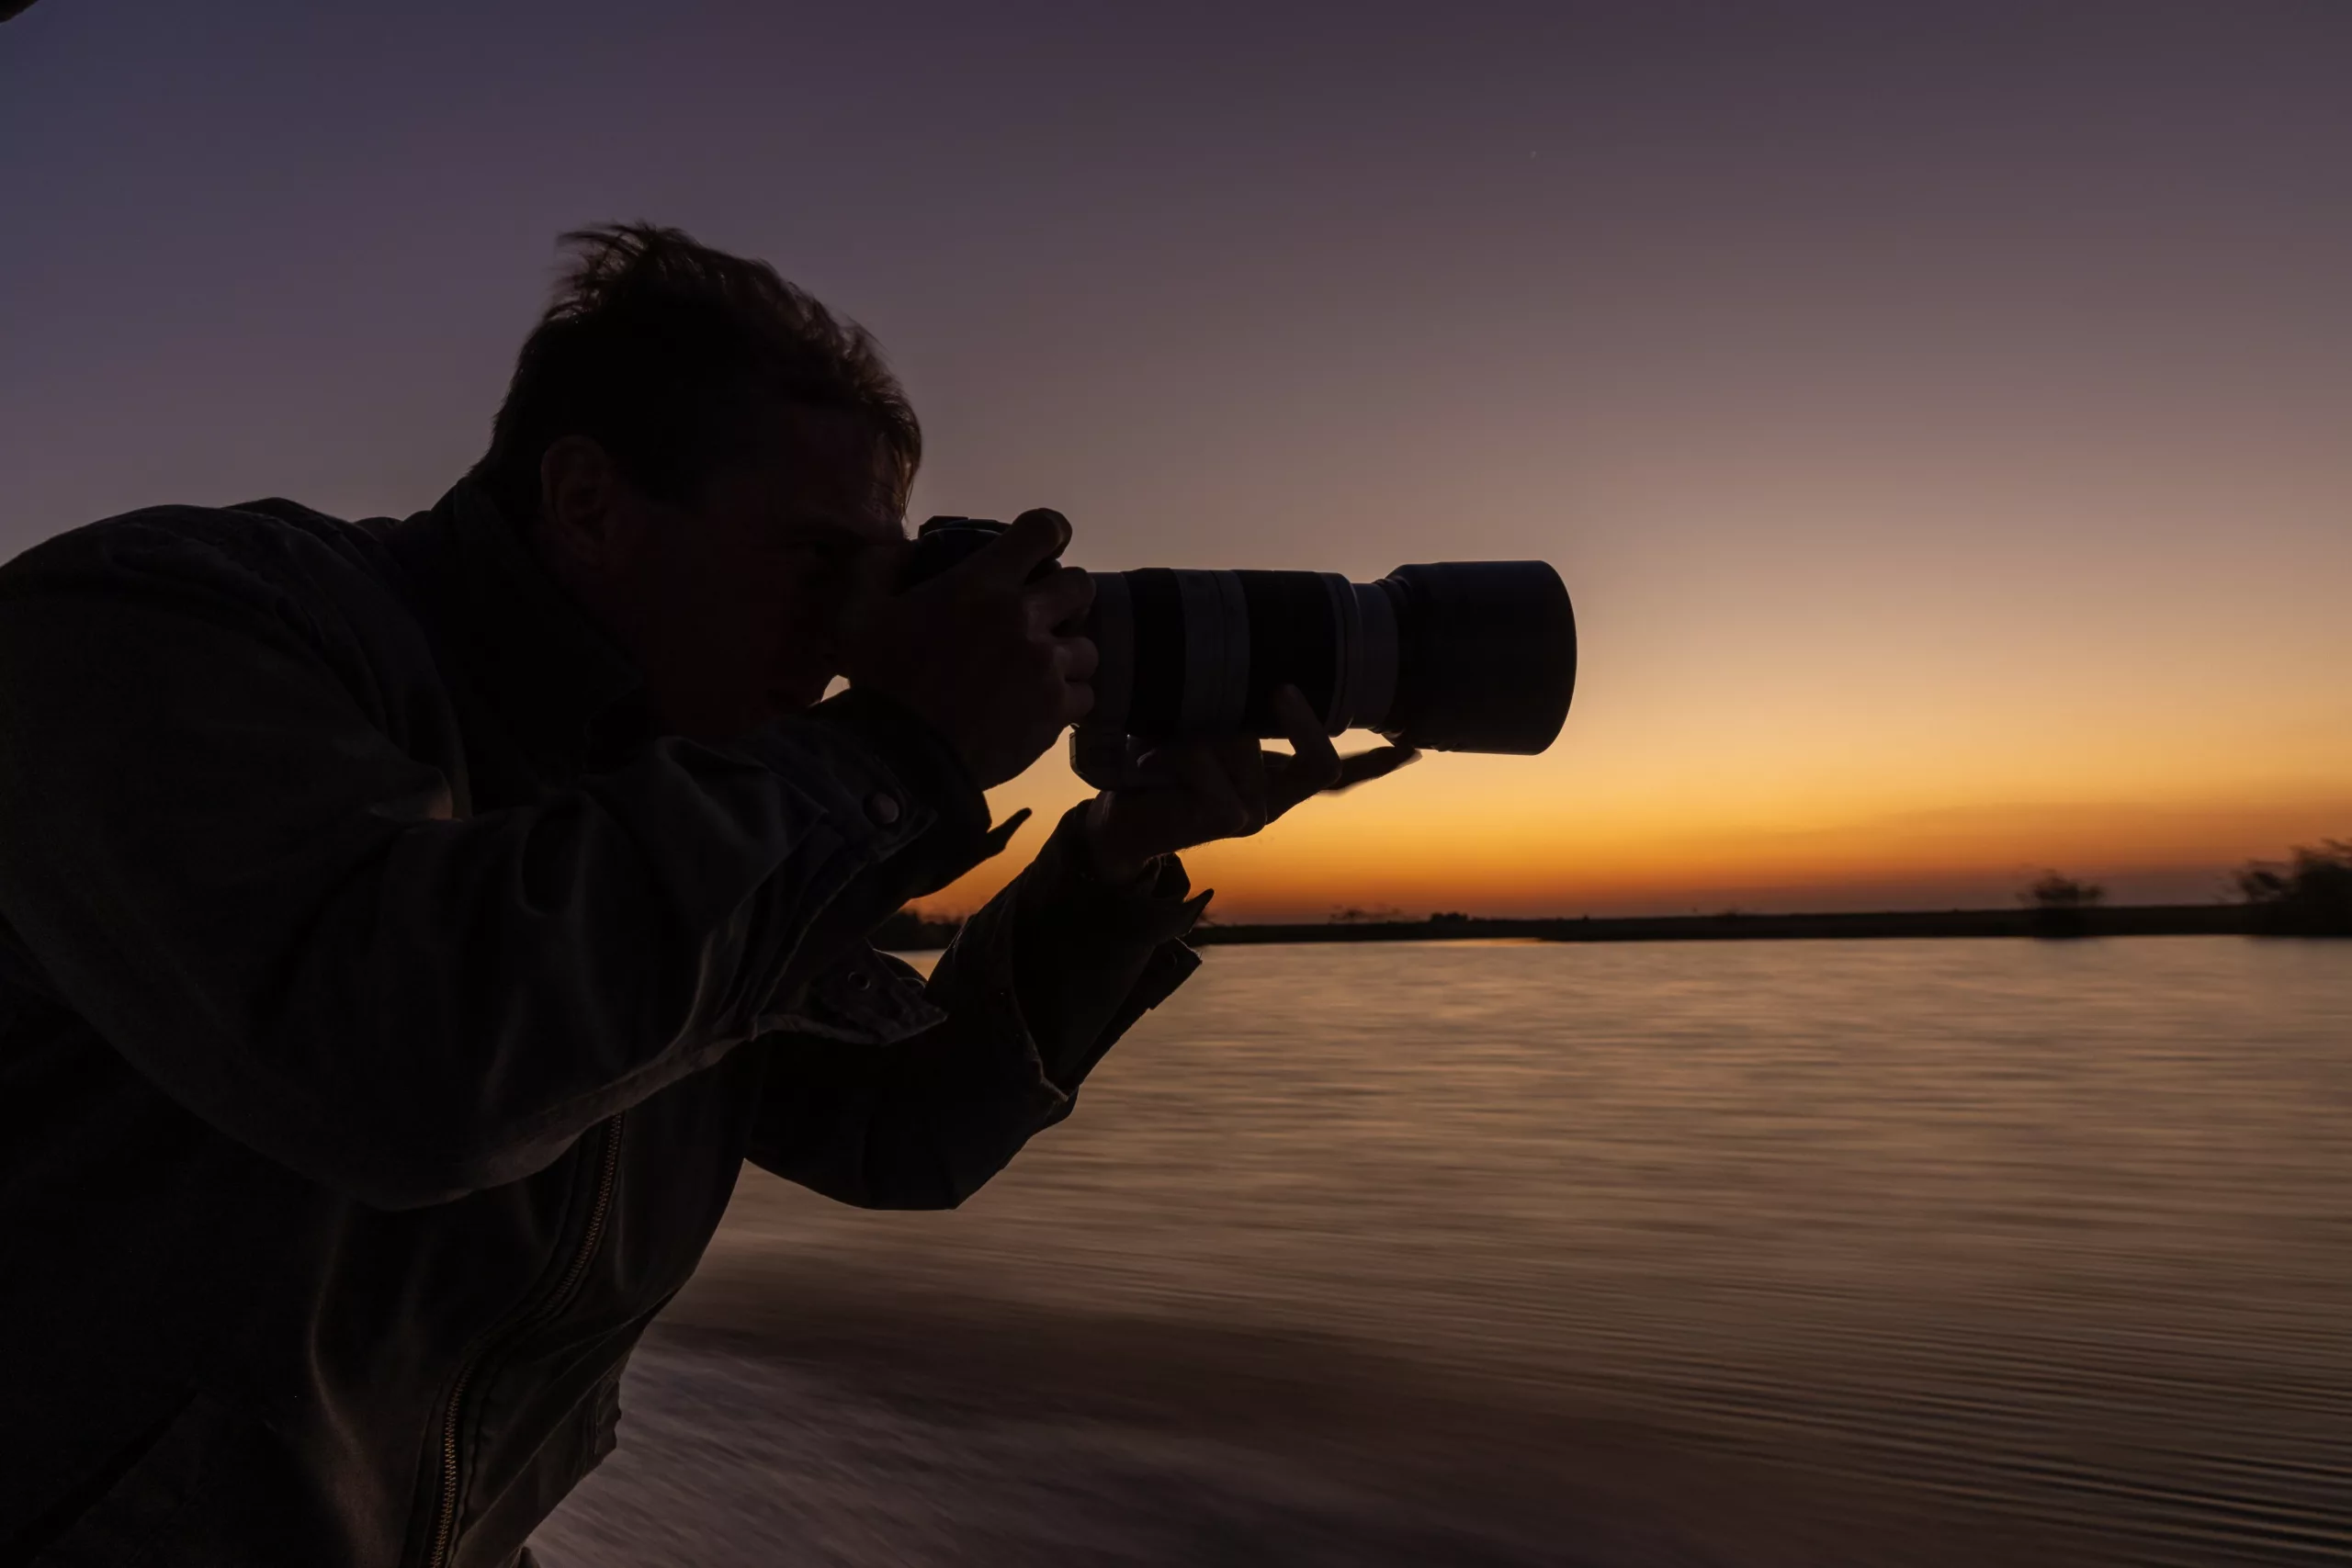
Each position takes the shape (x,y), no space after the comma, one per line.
(1450,656)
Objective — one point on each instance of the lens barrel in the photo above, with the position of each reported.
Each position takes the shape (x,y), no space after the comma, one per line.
(1487,658)
(1452,656)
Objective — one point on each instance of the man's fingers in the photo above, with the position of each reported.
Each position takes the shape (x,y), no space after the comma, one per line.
(1227,815)
(1291,785)
(1245,764)
(1034,538)
(1078,657)
(1315,762)
(1059,598)
(1366,766)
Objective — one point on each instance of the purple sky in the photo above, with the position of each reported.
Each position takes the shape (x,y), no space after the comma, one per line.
(1936,409)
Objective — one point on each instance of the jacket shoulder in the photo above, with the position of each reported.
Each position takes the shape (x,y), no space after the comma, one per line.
(271,557)
(326,592)
(261,537)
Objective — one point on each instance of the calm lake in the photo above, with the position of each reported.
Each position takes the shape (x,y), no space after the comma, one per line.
(1803,1253)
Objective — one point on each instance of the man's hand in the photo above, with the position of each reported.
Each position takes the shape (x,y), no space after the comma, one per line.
(981,653)
(1226,788)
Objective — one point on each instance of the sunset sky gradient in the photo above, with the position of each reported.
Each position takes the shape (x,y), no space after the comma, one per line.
(1942,415)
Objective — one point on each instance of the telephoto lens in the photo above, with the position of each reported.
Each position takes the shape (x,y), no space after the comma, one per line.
(1452,656)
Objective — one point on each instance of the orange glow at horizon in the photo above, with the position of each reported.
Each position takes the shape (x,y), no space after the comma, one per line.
(1628,814)
(1443,848)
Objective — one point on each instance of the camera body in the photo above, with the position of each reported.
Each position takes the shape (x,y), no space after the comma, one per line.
(1453,655)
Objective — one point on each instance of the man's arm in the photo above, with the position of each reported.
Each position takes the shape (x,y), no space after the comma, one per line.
(1041,982)
(217,856)
(1036,988)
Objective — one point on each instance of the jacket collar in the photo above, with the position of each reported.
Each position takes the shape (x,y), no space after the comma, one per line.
(564,688)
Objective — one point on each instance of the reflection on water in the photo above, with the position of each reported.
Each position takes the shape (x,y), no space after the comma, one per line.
(1739,1253)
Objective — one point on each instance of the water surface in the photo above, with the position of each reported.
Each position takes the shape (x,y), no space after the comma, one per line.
(1740,1254)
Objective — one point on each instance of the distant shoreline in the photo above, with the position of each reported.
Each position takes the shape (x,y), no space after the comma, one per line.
(2123,919)
(2128,920)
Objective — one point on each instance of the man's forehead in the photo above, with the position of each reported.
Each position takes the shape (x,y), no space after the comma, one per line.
(820,466)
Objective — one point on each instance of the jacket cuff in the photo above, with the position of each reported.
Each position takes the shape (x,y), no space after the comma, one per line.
(930,776)
(1090,957)
(1159,909)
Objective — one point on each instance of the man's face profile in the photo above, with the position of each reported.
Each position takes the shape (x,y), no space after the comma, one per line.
(729,604)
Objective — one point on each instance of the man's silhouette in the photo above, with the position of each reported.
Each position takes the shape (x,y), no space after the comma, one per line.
(410,926)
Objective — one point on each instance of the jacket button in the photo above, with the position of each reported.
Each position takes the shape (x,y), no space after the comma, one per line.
(883,808)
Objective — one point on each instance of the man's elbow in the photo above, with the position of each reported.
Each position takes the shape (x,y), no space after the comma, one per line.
(901,1187)
(895,1189)
(932,1173)
(935,1192)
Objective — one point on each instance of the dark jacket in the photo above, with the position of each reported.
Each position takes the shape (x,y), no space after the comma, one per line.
(385,1013)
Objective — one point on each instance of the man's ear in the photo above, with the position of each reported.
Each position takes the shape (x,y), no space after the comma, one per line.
(579,497)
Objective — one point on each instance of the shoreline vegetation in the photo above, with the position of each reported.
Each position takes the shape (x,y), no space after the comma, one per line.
(2308,895)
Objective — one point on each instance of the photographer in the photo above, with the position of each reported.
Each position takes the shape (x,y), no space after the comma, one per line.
(410,926)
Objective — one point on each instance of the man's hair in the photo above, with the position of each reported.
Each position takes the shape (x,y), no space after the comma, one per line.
(662,352)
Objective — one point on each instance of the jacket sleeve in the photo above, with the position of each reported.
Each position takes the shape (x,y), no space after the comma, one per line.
(217,856)
(1035,988)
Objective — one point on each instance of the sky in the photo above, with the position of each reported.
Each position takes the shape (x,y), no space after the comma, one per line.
(1940,413)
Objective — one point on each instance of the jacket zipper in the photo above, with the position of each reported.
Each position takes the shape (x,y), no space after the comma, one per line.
(444,1513)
